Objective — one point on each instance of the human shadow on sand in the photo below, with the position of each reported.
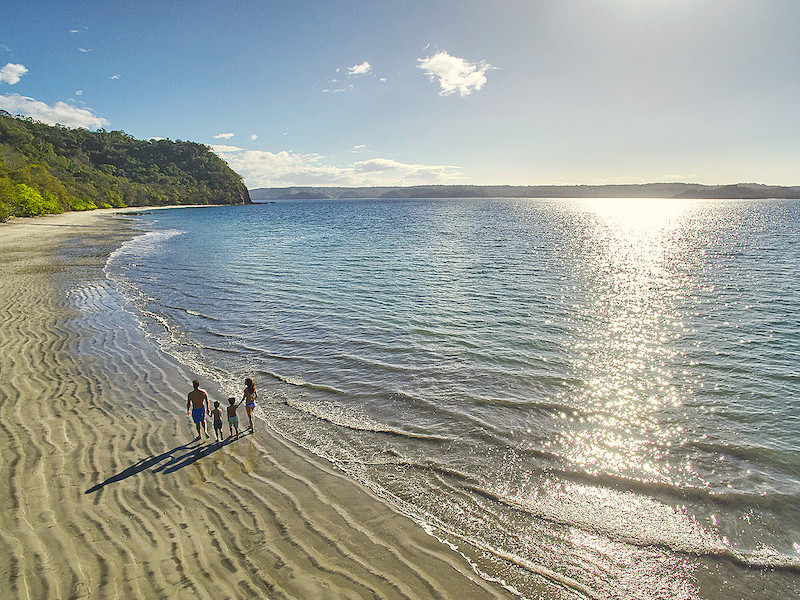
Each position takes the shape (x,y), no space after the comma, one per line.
(170,461)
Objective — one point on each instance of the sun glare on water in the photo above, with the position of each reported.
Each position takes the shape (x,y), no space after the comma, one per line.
(633,285)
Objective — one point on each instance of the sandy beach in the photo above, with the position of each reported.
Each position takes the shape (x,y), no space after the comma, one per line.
(106,495)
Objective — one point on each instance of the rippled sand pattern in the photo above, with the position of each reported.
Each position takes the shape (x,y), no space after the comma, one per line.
(104,493)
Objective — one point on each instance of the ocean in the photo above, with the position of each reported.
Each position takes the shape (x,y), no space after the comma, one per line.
(596,397)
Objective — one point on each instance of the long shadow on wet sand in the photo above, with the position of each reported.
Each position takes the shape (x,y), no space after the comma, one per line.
(169,461)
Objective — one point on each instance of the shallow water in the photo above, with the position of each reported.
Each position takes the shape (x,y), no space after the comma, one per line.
(597,397)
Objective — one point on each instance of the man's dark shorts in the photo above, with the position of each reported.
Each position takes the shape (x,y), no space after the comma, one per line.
(199,414)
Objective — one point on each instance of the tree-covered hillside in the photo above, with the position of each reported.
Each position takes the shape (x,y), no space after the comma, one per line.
(52,169)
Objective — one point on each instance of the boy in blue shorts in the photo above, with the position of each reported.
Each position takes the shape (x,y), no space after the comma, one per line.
(233,420)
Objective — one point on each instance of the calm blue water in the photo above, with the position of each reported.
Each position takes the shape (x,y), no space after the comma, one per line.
(600,397)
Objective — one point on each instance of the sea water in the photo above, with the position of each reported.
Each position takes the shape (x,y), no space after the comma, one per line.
(595,397)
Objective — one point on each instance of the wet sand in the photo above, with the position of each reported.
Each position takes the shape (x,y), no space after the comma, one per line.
(105,494)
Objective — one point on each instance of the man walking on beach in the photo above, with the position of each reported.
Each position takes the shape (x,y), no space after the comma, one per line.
(198,404)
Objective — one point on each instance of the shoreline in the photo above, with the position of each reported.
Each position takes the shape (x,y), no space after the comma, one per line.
(107,495)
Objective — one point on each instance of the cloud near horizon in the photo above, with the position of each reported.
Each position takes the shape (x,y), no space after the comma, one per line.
(220,148)
(282,169)
(223,136)
(11,73)
(454,74)
(60,113)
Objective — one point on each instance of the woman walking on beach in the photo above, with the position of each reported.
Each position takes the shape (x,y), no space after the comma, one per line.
(249,398)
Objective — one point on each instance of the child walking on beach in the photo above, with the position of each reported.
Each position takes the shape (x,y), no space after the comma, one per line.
(233,420)
(249,399)
(217,415)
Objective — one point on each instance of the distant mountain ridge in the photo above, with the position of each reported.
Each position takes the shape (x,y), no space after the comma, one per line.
(645,190)
(52,169)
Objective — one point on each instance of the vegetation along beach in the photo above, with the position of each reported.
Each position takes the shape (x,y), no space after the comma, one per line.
(421,300)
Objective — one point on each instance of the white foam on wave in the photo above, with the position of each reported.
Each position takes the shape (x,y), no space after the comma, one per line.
(350,417)
(142,245)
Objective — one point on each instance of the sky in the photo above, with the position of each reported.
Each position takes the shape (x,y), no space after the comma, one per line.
(407,92)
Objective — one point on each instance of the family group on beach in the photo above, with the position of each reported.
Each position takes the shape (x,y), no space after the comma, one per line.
(198,405)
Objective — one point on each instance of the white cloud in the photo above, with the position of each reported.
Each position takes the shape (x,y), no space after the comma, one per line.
(223,136)
(337,90)
(337,86)
(79,93)
(61,112)
(115,77)
(268,169)
(73,31)
(359,148)
(11,73)
(83,50)
(454,74)
(222,148)
(408,173)
(361,69)
(253,137)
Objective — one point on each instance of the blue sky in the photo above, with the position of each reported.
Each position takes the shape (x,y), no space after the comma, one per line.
(415,92)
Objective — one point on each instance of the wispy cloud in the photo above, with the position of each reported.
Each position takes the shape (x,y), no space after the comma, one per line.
(223,136)
(114,77)
(83,50)
(267,169)
(79,93)
(11,73)
(455,75)
(337,87)
(253,137)
(359,148)
(346,88)
(405,173)
(222,148)
(73,31)
(60,112)
(361,69)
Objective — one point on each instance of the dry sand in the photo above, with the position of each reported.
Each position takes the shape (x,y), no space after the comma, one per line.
(104,493)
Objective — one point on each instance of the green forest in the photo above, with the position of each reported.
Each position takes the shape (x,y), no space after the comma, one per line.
(52,169)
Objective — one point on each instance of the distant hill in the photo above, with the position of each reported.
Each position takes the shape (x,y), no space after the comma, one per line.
(52,169)
(647,190)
